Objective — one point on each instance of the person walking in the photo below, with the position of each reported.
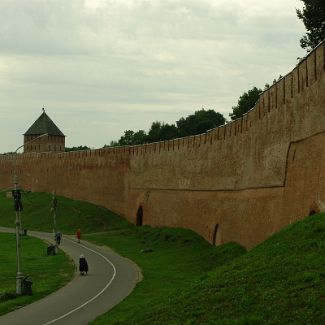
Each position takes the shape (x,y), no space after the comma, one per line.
(58,237)
(78,235)
(83,265)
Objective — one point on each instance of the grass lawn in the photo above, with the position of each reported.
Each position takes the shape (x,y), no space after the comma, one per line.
(171,259)
(282,281)
(47,273)
(188,281)
(70,214)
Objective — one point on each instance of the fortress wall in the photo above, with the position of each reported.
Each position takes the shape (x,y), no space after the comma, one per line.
(241,181)
(98,176)
(235,176)
(304,192)
(246,216)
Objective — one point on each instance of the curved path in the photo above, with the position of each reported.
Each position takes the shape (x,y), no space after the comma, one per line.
(110,279)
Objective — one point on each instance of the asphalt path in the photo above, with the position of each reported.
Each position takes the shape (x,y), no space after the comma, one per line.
(110,279)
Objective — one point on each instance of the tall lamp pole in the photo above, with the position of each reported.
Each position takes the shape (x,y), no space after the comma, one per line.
(18,208)
(54,206)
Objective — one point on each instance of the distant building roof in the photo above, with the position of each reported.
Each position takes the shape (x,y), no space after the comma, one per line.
(44,125)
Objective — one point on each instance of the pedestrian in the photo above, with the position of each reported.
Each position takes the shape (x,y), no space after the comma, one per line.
(58,236)
(78,234)
(83,265)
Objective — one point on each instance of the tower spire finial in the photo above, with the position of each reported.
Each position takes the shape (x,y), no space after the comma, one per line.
(43,109)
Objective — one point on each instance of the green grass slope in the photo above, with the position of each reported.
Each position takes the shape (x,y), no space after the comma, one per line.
(48,273)
(170,259)
(282,281)
(70,214)
(188,281)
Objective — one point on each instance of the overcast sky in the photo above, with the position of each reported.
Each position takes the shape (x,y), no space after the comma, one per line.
(100,67)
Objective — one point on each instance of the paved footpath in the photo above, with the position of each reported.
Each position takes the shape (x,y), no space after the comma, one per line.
(110,279)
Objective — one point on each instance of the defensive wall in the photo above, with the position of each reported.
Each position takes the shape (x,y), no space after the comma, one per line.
(239,182)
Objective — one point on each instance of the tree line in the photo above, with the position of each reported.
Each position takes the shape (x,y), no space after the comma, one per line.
(199,122)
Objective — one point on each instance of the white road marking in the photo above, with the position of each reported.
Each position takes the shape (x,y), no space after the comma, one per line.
(96,296)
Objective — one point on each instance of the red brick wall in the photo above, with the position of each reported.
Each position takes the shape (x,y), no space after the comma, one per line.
(250,177)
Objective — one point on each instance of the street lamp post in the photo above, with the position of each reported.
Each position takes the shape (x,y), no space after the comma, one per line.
(18,208)
(54,206)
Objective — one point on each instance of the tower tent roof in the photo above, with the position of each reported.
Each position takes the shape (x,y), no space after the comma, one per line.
(44,125)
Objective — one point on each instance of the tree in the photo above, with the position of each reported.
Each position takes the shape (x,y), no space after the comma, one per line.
(127,138)
(245,102)
(67,149)
(168,132)
(162,131)
(313,17)
(199,122)
(140,137)
(154,133)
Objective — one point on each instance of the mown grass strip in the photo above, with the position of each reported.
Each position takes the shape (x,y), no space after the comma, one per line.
(48,273)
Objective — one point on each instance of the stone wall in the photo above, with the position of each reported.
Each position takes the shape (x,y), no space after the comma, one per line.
(242,181)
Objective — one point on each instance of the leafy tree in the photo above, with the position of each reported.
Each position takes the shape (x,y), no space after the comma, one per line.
(127,138)
(245,102)
(313,17)
(199,122)
(67,149)
(160,131)
(168,131)
(140,137)
(154,133)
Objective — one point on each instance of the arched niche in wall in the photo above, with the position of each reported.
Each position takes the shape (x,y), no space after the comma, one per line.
(313,209)
(216,235)
(139,220)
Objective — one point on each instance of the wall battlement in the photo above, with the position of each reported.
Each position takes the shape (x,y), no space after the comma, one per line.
(241,181)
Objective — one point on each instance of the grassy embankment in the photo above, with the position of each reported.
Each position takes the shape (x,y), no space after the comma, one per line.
(71,214)
(170,259)
(187,281)
(282,281)
(174,257)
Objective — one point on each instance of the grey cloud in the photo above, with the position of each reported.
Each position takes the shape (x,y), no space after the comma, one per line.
(150,59)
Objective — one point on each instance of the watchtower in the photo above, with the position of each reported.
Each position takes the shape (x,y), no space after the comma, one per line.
(54,141)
